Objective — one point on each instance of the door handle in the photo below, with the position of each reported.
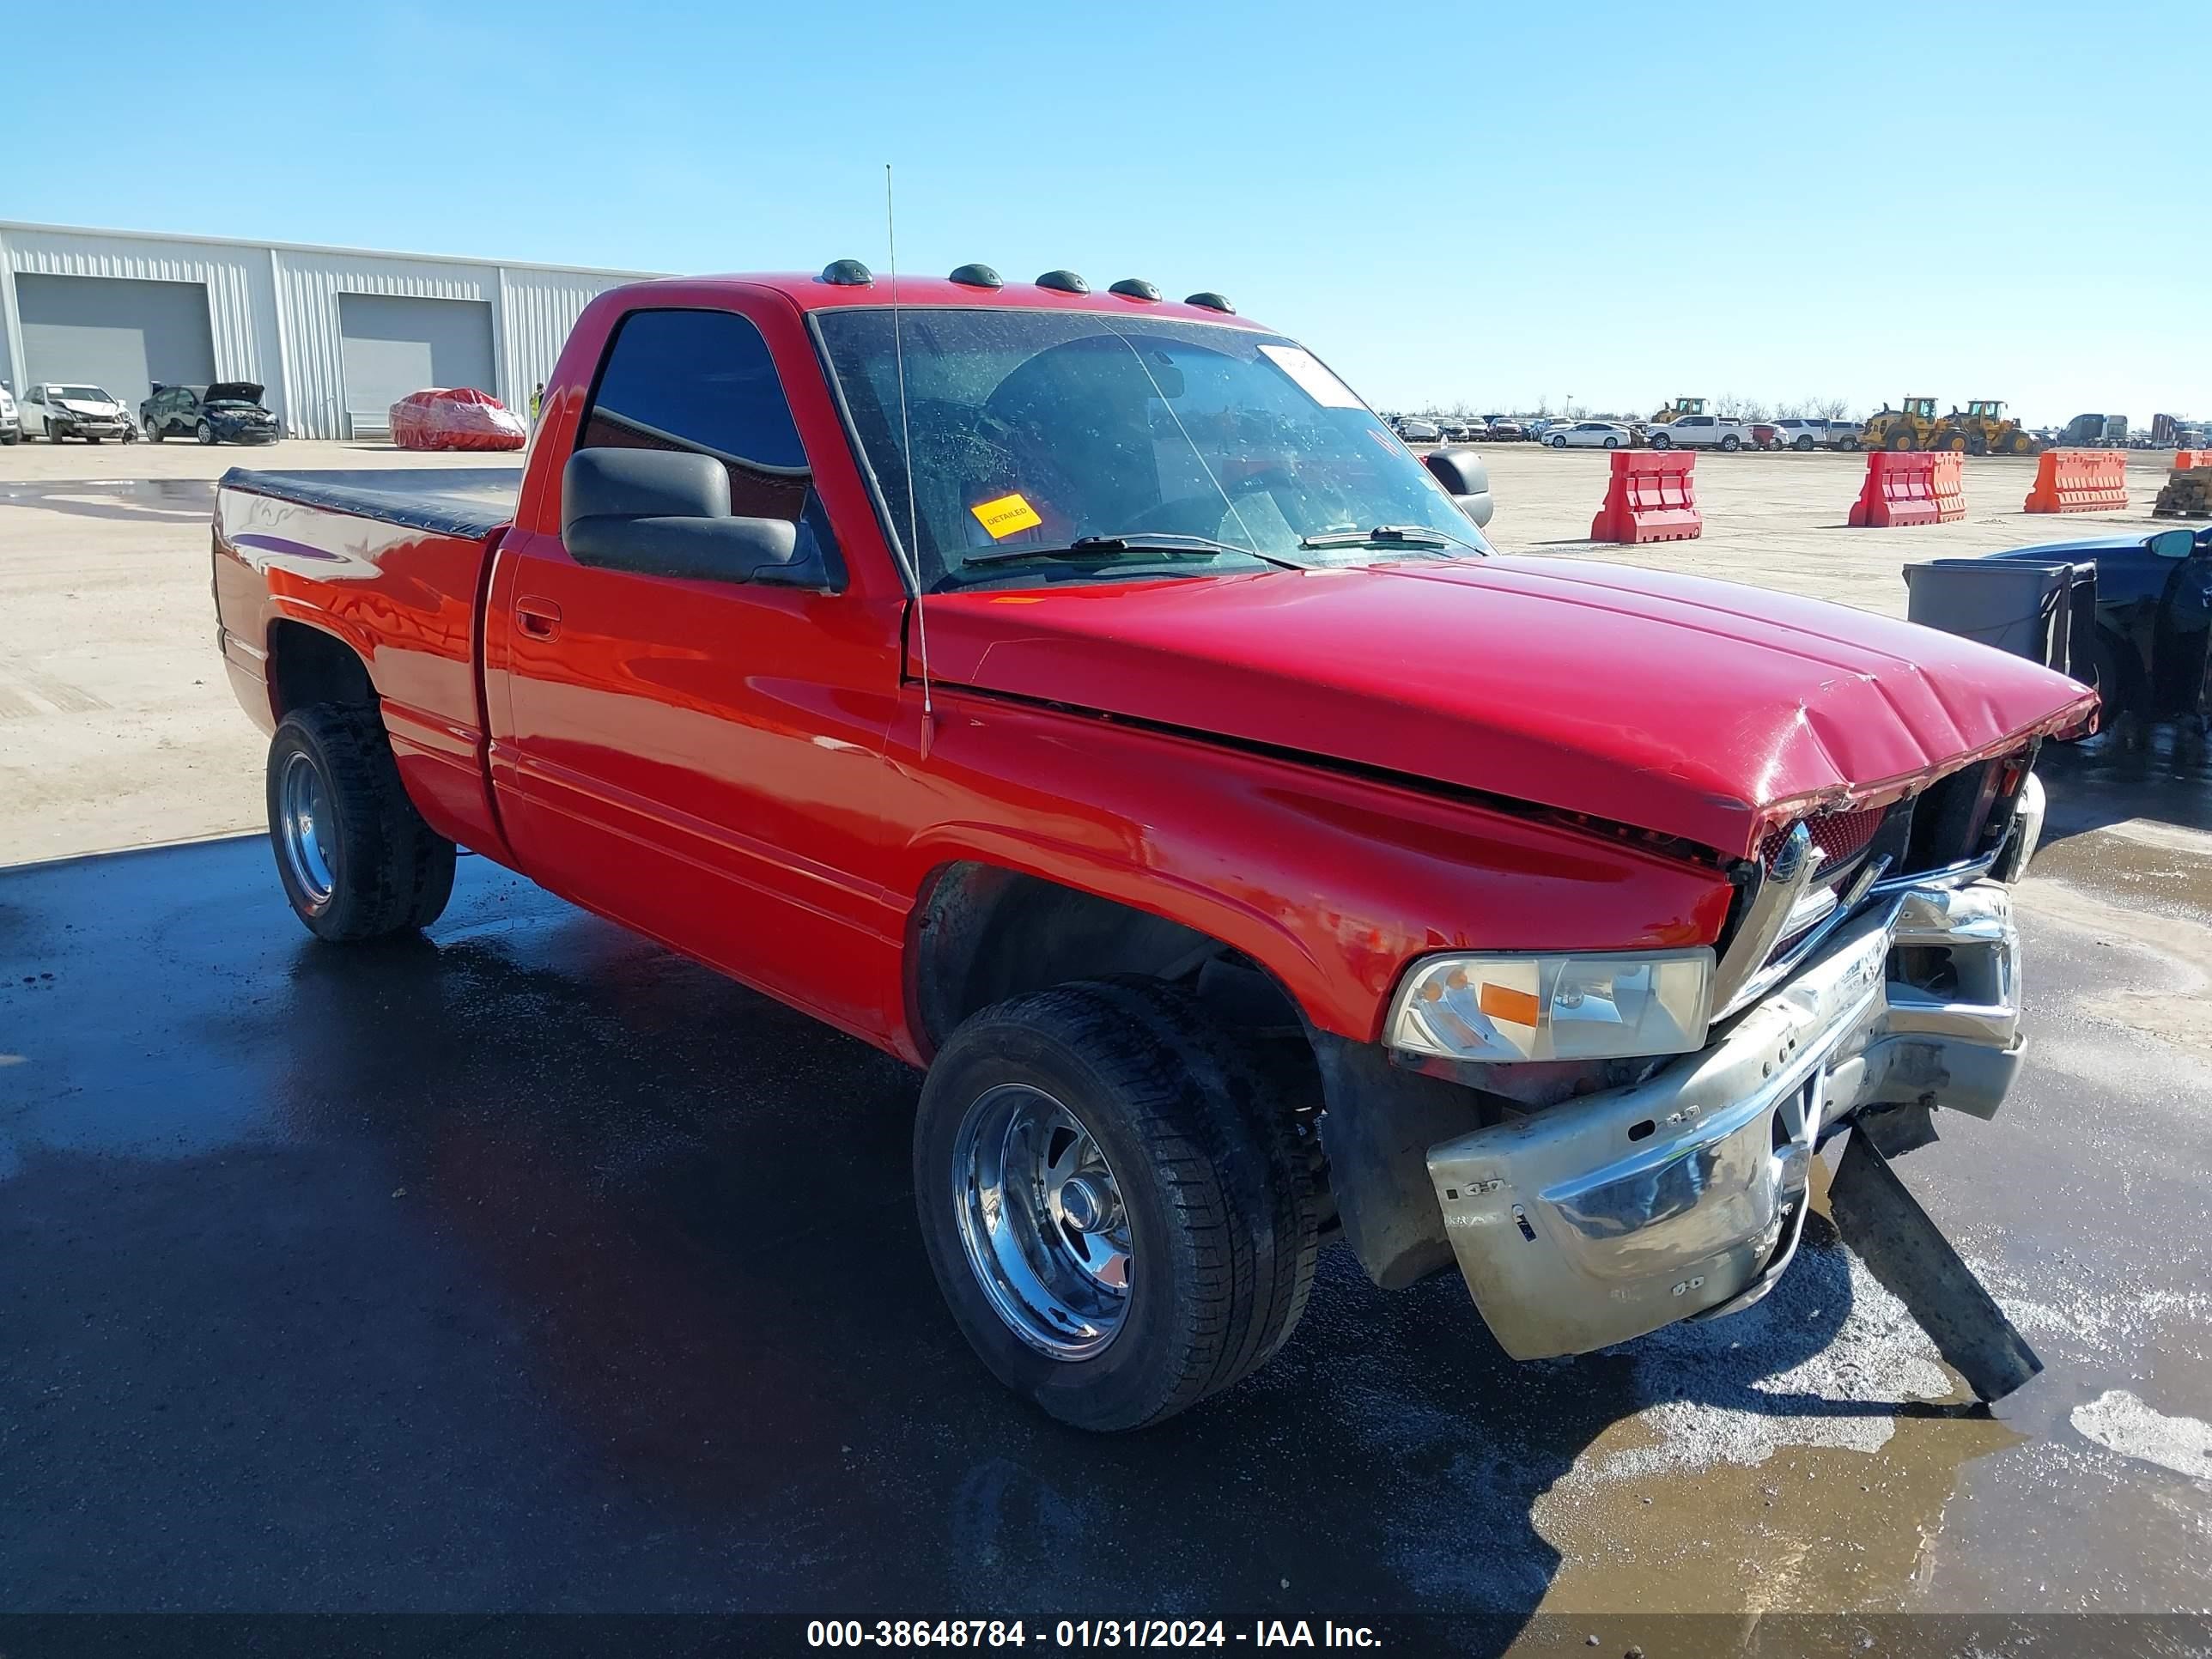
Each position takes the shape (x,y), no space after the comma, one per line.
(539,618)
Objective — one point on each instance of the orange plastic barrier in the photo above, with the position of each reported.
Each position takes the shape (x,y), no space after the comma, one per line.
(2079,481)
(1899,490)
(1652,496)
(1948,483)
(2183,459)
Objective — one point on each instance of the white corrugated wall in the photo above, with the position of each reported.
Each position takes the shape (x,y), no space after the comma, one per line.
(273,307)
(241,297)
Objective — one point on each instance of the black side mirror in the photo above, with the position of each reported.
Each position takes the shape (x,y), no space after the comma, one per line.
(1462,473)
(2172,544)
(666,512)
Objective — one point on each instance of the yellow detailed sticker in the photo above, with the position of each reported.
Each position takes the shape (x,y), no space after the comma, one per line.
(1009,516)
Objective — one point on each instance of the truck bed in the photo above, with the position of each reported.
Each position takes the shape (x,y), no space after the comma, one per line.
(391,565)
(469,502)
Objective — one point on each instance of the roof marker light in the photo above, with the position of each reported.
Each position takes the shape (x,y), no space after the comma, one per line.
(1064,282)
(1212,302)
(1135,288)
(848,273)
(978,277)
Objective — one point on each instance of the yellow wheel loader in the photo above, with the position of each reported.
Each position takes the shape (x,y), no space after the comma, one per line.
(1982,430)
(1908,427)
(1678,407)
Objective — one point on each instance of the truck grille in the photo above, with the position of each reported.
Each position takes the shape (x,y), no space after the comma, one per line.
(1841,835)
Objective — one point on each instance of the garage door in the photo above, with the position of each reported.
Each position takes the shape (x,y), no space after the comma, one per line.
(113,332)
(392,345)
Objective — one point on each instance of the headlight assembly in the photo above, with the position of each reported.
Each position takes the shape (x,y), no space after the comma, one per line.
(1598,1006)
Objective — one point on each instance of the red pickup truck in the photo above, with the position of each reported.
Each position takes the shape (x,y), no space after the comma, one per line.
(1087,697)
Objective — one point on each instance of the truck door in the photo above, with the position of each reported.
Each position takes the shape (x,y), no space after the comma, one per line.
(700,760)
(1696,431)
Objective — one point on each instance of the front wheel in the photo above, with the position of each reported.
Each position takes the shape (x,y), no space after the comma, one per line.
(204,432)
(153,433)
(1119,1211)
(356,859)
(1660,440)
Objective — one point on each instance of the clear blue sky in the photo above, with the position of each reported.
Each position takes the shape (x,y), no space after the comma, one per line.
(1494,203)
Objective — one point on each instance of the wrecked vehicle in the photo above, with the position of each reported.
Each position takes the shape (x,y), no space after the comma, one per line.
(2151,655)
(1087,697)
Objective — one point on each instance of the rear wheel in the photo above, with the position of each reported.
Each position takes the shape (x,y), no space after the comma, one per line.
(1613,443)
(356,859)
(1119,1210)
(1560,442)
(1802,443)
(1731,443)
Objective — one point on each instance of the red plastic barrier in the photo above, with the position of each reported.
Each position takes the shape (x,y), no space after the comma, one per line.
(2079,481)
(1652,496)
(1899,490)
(1948,483)
(2186,459)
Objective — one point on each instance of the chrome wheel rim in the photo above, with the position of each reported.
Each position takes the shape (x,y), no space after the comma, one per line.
(1043,1221)
(304,822)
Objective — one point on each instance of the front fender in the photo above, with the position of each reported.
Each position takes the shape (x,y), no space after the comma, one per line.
(1330,881)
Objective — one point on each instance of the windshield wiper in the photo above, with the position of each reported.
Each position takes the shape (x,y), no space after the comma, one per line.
(1114,547)
(1385,535)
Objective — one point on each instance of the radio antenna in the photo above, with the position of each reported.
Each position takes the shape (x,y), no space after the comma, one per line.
(906,453)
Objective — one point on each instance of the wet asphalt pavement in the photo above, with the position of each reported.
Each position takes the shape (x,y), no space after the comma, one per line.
(530,1268)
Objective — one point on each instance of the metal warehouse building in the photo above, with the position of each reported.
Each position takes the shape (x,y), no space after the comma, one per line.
(335,336)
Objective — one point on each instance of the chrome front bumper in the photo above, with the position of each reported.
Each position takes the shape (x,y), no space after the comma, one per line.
(1607,1217)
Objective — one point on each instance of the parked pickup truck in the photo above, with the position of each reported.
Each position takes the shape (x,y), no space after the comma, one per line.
(1702,431)
(1087,698)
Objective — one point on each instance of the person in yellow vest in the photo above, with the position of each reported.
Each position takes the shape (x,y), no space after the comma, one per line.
(537,403)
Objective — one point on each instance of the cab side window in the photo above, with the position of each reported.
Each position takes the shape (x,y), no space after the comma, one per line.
(703,381)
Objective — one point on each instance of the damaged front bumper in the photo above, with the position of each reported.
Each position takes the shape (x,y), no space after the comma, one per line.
(1608,1215)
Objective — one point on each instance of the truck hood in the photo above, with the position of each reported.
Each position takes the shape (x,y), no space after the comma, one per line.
(91,408)
(1671,703)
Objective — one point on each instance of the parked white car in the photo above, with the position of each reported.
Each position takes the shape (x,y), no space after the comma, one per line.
(11,422)
(1803,434)
(1414,430)
(1702,431)
(55,412)
(1589,435)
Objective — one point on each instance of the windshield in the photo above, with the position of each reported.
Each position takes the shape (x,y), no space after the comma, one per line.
(81,394)
(1032,431)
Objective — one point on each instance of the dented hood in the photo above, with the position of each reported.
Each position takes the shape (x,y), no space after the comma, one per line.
(1672,703)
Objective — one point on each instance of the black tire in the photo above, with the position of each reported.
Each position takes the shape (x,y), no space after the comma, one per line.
(1613,443)
(1558,443)
(204,432)
(154,432)
(1731,443)
(1660,440)
(1802,443)
(1213,1175)
(389,873)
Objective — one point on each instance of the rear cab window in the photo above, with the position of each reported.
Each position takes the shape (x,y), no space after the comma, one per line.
(704,381)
